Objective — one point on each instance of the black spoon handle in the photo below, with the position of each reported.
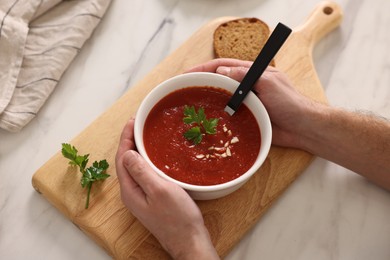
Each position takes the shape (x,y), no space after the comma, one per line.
(271,47)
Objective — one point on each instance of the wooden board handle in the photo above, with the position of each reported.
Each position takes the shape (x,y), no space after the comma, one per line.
(326,16)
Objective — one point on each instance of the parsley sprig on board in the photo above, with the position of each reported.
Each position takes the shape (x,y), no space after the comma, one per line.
(202,124)
(96,172)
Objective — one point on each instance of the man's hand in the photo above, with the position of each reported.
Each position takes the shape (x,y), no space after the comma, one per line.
(283,102)
(163,207)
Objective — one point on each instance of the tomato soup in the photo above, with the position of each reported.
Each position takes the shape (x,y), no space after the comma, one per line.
(219,157)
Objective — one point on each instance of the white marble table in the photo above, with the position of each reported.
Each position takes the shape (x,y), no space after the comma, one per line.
(327,213)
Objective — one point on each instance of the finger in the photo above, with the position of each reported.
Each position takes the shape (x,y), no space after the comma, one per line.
(126,141)
(236,73)
(141,172)
(211,66)
(126,182)
(132,194)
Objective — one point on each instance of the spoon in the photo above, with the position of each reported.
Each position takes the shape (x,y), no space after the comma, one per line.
(271,47)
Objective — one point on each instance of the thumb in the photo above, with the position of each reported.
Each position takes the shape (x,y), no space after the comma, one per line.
(140,171)
(236,73)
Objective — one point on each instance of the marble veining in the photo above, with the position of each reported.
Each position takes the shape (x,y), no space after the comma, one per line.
(329,212)
(157,46)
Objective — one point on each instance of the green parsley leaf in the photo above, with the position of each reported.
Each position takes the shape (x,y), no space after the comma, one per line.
(210,125)
(103,165)
(96,172)
(194,134)
(201,115)
(190,115)
(70,152)
(199,118)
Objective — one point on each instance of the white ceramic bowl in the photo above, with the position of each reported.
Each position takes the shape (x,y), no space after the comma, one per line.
(198,192)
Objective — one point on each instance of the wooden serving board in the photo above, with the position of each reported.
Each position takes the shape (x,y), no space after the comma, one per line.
(110,224)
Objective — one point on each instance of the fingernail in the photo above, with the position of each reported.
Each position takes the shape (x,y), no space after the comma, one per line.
(223,70)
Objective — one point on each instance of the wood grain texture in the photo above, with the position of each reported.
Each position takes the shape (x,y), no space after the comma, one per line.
(109,223)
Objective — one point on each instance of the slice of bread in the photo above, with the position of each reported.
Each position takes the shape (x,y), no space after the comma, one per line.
(240,39)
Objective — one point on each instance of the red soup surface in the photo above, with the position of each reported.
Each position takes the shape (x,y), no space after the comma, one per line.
(218,158)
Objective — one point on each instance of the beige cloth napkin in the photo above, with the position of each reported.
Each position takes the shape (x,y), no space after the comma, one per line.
(38,40)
